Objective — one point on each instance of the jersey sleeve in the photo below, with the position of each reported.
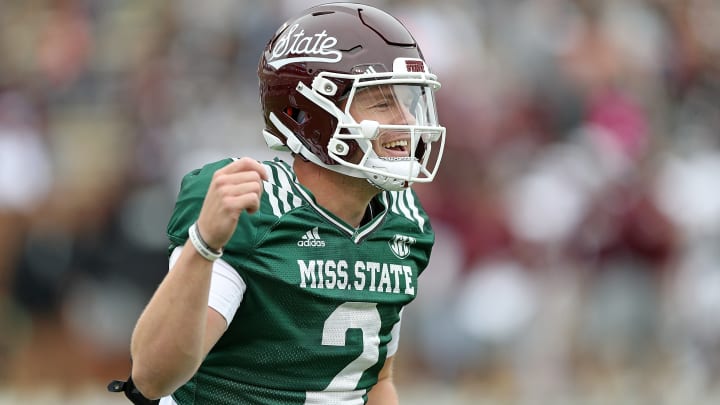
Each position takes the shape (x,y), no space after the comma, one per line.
(405,206)
(193,188)
(190,199)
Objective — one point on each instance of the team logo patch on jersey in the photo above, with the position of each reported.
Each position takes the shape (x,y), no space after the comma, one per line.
(400,245)
(311,239)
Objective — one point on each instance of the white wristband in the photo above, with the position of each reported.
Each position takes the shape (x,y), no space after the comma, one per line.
(203,249)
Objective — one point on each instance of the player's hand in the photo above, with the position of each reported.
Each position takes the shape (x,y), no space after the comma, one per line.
(234,188)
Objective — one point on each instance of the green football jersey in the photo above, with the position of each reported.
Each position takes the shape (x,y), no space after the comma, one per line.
(322,297)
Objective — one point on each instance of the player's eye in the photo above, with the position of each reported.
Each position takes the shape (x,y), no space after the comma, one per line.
(380,106)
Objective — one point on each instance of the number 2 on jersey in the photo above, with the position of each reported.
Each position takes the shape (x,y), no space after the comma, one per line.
(350,315)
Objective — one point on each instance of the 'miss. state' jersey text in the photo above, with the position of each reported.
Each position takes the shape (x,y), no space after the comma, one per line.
(317,319)
(370,276)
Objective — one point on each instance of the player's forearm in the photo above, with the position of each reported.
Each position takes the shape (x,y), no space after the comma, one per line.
(167,343)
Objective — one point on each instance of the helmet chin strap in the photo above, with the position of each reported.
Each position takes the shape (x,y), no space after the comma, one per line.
(401,168)
(409,167)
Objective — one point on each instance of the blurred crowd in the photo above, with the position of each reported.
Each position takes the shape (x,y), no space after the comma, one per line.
(577,209)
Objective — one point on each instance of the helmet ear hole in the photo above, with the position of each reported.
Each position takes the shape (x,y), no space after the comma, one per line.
(297,115)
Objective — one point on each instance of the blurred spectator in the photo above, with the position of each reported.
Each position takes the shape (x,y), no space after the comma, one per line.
(25,181)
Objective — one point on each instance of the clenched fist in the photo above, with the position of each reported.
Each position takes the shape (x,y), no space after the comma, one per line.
(235,188)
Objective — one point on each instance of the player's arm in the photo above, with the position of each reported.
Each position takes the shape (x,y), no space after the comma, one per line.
(177,329)
(384,392)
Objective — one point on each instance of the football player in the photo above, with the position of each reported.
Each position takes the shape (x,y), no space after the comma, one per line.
(288,280)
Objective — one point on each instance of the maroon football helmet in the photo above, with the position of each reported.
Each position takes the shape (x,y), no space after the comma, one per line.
(342,75)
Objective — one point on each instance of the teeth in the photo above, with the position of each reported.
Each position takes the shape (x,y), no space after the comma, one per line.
(394,144)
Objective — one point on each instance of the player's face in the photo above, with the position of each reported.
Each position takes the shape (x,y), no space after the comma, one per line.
(388,105)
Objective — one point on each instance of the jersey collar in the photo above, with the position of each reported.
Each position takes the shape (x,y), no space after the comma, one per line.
(356,234)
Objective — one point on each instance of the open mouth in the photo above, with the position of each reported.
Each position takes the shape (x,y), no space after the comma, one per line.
(397,147)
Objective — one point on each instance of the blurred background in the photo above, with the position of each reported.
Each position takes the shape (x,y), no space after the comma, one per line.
(577,210)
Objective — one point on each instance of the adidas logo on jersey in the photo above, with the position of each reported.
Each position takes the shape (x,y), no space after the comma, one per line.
(311,239)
